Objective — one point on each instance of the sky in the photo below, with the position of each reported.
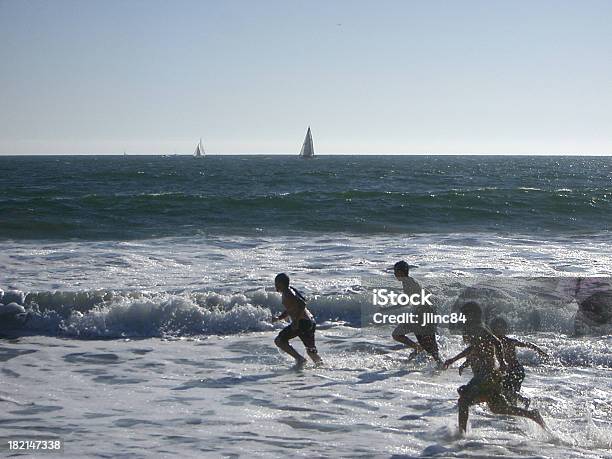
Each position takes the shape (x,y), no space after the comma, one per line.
(370,77)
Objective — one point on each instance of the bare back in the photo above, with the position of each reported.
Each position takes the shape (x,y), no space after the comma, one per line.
(484,352)
(295,306)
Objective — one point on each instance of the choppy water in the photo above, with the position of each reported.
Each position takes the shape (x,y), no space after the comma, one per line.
(235,396)
(143,197)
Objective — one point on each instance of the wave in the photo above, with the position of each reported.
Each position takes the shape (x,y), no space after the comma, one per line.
(533,305)
(582,352)
(116,314)
(121,315)
(108,314)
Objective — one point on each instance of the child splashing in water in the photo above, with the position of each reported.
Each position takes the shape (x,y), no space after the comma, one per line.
(485,351)
(425,334)
(515,373)
(302,323)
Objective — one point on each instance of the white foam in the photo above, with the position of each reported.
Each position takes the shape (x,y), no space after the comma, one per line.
(190,396)
(321,265)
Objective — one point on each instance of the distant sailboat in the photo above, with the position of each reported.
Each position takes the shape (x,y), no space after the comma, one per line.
(199,151)
(307,150)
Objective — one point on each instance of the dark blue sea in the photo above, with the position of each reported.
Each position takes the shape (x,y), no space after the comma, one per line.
(142,197)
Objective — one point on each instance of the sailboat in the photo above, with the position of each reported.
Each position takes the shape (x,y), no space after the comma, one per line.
(199,151)
(307,150)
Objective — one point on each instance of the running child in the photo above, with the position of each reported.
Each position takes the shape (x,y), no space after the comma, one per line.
(425,335)
(302,323)
(515,373)
(485,352)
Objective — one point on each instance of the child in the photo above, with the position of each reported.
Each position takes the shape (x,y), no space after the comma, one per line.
(484,351)
(515,372)
(425,335)
(302,323)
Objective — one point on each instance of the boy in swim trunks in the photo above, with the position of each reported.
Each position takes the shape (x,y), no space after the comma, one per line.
(515,372)
(425,335)
(484,352)
(302,322)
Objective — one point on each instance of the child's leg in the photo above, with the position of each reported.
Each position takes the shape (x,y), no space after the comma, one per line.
(282,341)
(512,386)
(519,382)
(469,395)
(399,335)
(430,345)
(307,335)
(464,412)
(314,356)
(499,405)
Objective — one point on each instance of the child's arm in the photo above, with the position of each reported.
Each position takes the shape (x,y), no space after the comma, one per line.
(532,346)
(461,355)
(499,352)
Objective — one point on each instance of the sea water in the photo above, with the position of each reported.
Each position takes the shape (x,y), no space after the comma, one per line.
(149,283)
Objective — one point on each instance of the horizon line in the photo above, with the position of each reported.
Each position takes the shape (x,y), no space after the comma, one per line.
(590,154)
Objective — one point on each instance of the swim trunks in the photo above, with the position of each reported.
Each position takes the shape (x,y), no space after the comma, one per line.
(305,330)
(482,388)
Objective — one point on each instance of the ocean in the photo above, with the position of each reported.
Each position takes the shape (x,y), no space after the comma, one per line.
(149,286)
(144,197)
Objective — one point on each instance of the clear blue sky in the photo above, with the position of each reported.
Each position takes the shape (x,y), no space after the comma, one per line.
(249,76)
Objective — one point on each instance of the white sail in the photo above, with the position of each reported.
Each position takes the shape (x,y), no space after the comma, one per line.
(199,151)
(307,150)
